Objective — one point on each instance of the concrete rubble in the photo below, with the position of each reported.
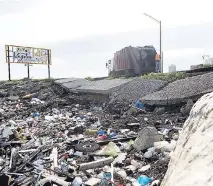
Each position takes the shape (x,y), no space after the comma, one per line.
(48,136)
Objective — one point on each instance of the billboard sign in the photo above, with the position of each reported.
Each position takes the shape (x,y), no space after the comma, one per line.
(27,55)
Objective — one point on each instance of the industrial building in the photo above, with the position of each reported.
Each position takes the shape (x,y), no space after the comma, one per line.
(172,68)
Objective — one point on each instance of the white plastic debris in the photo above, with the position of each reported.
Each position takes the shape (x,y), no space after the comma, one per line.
(97,123)
(175,137)
(49,118)
(151,149)
(160,144)
(155,183)
(77,181)
(77,153)
(124,130)
(37,101)
(93,181)
(11,122)
(144,168)
(146,119)
(131,167)
(148,154)
(106,169)
(135,183)
(120,158)
(122,174)
(165,146)
(135,163)
(89,114)
(7,132)
(124,146)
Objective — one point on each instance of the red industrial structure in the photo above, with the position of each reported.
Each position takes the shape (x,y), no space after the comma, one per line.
(133,61)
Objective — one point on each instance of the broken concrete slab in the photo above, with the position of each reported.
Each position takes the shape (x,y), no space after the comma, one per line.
(84,85)
(181,90)
(193,153)
(117,89)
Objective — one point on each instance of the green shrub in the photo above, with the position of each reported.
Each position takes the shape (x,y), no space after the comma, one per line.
(207,65)
(169,77)
(89,78)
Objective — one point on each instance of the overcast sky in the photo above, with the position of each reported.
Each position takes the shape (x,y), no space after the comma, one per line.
(84,34)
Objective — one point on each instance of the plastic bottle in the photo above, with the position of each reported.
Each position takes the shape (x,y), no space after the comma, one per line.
(77,181)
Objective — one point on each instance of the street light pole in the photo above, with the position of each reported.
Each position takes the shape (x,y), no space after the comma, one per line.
(160,38)
(161,56)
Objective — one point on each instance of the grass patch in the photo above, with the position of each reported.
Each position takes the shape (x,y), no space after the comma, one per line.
(168,77)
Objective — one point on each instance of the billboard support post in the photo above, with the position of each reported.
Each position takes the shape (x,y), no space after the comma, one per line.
(9,76)
(28,71)
(7,51)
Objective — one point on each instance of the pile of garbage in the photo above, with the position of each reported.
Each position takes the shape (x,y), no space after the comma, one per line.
(47,139)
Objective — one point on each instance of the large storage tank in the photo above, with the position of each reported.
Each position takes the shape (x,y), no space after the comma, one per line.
(133,61)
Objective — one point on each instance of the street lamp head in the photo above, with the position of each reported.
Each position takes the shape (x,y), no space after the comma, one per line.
(151,17)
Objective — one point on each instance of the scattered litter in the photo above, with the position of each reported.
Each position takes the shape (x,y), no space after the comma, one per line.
(50,137)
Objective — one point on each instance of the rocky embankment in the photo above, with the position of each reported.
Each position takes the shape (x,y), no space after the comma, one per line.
(191,162)
(181,90)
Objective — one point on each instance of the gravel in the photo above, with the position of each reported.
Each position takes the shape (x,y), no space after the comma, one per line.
(182,90)
(135,89)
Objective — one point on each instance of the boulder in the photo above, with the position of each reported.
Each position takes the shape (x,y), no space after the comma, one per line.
(146,138)
(185,110)
(191,162)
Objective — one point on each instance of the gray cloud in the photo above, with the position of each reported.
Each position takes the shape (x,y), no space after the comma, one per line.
(15,6)
(87,56)
(93,51)
(194,36)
